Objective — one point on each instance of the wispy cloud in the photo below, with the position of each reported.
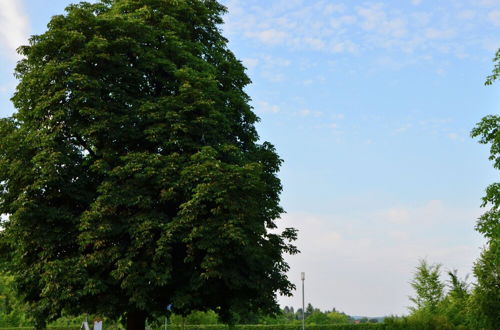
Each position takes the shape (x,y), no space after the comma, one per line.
(274,77)
(269,67)
(3,89)
(338,249)
(433,33)
(397,215)
(489,3)
(271,61)
(494,17)
(374,18)
(341,21)
(467,14)
(309,113)
(266,107)
(250,63)
(356,28)
(402,129)
(270,36)
(294,25)
(456,137)
(13,27)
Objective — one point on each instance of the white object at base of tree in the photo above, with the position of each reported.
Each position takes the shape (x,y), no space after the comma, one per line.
(85,326)
(98,325)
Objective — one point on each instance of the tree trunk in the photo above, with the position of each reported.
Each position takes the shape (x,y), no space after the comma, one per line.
(136,320)
(40,325)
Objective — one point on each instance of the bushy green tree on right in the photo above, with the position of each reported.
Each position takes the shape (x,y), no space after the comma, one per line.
(486,294)
(462,306)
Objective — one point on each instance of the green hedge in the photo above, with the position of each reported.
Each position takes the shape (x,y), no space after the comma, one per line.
(362,326)
(73,327)
(390,324)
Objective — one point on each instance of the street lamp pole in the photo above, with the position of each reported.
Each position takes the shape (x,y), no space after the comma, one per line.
(303,277)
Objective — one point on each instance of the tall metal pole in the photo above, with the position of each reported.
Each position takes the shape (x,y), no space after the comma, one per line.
(303,277)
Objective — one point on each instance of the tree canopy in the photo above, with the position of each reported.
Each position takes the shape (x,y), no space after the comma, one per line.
(132,172)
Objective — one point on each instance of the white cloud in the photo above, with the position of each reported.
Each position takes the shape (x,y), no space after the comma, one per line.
(335,129)
(338,22)
(397,215)
(314,43)
(8,88)
(271,61)
(358,28)
(422,18)
(301,26)
(13,27)
(494,17)
(376,19)
(361,262)
(455,137)
(334,8)
(398,235)
(466,14)
(274,77)
(343,46)
(266,107)
(488,3)
(433,33)
(389,62)
(402,129)
(308,113)
(491,44)
(270,36)
(372,15)
(250,63)
(268,67)
(441,71)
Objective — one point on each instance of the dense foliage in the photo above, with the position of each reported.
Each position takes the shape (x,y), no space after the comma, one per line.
(438,304)
(131,172)
(428,288)
(12,311)
(487,268)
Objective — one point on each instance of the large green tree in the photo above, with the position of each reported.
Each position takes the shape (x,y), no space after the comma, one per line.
(486,295)
(131,172)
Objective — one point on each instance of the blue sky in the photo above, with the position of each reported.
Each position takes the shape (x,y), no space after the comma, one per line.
(370,104)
